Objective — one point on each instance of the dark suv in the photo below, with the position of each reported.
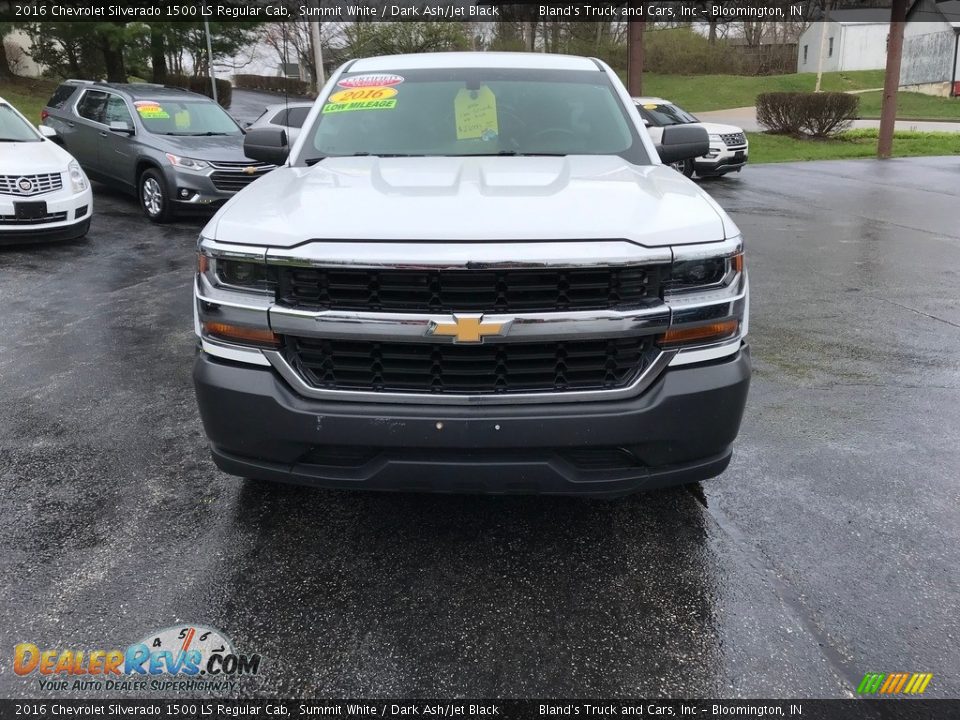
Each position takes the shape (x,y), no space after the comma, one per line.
(173,148)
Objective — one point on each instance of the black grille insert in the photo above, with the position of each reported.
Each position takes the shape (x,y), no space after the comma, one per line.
(515,290)
(496,368)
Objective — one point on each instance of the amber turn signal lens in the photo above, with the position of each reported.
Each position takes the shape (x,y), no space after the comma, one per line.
(736,262)
(700,334)
(202,264)
(243,335)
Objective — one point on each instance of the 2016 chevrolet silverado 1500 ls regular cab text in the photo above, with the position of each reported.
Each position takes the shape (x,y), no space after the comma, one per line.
(473,273)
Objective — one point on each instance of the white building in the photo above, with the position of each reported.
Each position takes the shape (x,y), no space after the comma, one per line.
(851,40)
(931,48)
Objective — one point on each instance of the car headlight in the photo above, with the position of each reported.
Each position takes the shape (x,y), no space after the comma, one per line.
(706,292)
(237,274)
(187,163)
(716,140)
(78,181)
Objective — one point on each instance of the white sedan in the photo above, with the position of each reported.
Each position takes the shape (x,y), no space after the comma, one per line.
(44,193)
(729,148)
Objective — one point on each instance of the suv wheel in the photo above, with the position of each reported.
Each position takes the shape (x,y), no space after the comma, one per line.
(154,199)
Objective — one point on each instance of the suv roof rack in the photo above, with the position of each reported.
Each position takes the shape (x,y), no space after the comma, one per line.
(74,81)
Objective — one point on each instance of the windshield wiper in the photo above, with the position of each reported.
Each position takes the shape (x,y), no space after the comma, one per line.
(202,134)
(310,162)
(13,140)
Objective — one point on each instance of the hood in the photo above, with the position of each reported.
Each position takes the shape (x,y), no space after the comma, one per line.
(471,199)
(201,147)
(30,158)
(719,129)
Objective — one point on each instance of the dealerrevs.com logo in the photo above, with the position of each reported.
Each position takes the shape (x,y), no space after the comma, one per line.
(186,657)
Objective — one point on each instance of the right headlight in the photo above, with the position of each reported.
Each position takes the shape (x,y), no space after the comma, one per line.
(78,180)
(707,294)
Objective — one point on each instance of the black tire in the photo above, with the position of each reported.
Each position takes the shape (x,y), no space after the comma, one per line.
(684,166)
(154,197)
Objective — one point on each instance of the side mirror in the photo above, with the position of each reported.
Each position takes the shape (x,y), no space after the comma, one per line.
(268,145)
(118,126)
(682,142)
(47,131)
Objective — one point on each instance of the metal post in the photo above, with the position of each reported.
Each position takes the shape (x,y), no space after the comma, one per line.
(891,81)
(213,80)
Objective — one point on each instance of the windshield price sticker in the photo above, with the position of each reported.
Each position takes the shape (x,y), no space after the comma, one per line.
(360,105)
(476,114)
(151,110)
(378,80)
(356,94)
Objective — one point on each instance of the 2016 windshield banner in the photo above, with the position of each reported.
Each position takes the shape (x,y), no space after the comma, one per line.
(691,11)
(478,708)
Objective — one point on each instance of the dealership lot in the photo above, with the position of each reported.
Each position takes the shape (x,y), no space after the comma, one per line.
(827,550)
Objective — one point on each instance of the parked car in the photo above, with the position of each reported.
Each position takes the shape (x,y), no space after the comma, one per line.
(473,273)
(44,193)
(729,147)
(289,116)
(172,148)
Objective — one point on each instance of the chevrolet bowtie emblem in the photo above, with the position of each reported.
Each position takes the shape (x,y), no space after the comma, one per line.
(468,328)
(249,170)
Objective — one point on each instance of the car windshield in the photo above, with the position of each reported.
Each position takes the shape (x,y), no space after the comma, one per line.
(185,117)
(476,111)
(14,128)
(663,114)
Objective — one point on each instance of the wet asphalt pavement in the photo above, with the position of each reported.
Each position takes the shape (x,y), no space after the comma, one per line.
(828,549)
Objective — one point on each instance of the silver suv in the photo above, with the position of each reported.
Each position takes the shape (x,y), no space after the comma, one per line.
(173,148)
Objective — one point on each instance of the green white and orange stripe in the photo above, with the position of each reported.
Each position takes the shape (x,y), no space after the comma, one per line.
(894,683)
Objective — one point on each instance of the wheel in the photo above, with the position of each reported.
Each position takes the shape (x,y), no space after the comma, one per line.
(684,166)
(154,198)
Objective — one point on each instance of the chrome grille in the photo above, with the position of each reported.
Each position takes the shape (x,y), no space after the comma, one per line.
(38,184)
(231,176)
(514,290)
(734,139)
(484,369)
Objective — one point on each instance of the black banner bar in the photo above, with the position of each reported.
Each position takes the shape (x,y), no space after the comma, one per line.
(887,709)
(677,11)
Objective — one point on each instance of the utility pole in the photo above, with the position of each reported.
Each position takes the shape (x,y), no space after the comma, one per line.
(891,81)
(317,54)
(635,30)
(823,44)
(213,80)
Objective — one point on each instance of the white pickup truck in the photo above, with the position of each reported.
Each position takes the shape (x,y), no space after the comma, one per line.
(473,273)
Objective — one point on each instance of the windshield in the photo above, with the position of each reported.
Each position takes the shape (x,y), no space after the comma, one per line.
(477,111)
(663,114)
(14,128)
(185,117)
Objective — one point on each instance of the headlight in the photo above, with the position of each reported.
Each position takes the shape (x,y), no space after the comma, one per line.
(716,139)
(187,163)
(704,273)
(237,274)
(78,181)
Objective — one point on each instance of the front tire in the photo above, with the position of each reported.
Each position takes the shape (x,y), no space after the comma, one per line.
(685,167)
(154,198)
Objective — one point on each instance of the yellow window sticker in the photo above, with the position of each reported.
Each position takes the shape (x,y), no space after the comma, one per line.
(151,110)
(332,107)
(650,106)
(475,112)
(182,119)
(374,93)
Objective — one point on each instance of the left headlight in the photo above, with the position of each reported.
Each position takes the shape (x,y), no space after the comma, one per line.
(232,274)
(187,163)
(78,180)
(716,140)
